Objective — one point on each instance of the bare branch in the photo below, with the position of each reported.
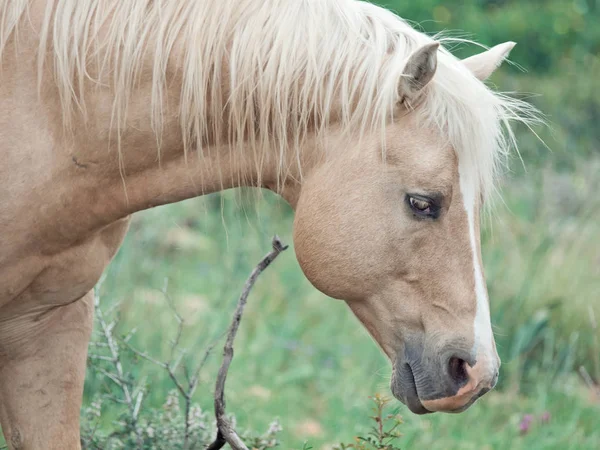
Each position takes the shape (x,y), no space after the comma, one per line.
(112,398)
(178,385)
(138,404)
(101,358)
(119,377)
(186,379)
(225,431)
(193,381)
(111,376)
(130,334)
(145,356)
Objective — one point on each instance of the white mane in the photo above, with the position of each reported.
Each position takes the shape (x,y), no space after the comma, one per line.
(288,66)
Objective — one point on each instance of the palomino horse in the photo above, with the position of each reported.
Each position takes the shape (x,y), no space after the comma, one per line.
(384,143)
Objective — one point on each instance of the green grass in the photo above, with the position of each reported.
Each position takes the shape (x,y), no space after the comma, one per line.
(305,359)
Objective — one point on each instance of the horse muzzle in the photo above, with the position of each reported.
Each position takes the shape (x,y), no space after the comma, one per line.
(449,381)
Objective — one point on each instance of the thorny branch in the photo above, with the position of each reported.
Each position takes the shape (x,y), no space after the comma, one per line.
(225,431)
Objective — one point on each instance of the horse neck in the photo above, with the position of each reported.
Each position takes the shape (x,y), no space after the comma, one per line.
(146,162)
(140,169)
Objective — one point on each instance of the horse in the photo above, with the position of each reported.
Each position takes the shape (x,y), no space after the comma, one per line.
(386,145)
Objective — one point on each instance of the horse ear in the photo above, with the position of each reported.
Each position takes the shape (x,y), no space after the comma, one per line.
(484,64)
(418,72)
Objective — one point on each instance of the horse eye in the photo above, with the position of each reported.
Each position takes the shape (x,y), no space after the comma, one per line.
(424,207)
(419,205)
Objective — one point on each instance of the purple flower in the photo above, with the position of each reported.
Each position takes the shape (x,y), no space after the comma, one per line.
(525,423)
(545,418)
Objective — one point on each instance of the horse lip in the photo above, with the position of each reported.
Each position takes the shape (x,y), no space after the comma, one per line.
(416,407)
(411,399)
(470,402)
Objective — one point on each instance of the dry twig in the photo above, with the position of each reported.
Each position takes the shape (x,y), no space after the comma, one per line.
(225,431)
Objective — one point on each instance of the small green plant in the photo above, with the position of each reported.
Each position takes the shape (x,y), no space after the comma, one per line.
(164,428)
(384,433)
(173,426)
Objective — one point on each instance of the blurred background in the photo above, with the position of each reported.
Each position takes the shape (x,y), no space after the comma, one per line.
(305,359)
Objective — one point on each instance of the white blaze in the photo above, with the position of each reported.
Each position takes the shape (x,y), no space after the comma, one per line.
(482,326)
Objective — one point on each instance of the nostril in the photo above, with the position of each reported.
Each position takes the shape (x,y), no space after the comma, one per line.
(457,369)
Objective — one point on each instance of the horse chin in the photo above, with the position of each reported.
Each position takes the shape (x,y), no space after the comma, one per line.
(404,388)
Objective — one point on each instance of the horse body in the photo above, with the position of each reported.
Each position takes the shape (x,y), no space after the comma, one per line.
(109,108)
